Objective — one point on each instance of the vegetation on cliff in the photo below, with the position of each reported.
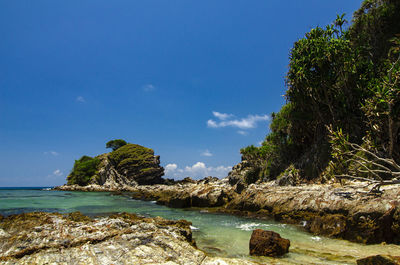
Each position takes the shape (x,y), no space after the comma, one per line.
(83,171)
(343,88)
(131,154)
(138,161)
(126,163)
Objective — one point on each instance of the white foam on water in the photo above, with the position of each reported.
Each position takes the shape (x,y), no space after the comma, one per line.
(250,226)
(194,228)
(316,238)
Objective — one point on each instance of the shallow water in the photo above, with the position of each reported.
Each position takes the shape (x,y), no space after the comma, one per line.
(216,234)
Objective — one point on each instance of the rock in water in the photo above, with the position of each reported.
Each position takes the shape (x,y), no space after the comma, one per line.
(379,260)
(268,243)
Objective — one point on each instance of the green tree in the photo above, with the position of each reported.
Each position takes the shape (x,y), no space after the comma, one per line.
(115,144)
(83,171)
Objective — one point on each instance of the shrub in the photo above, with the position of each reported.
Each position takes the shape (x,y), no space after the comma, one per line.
(83,171)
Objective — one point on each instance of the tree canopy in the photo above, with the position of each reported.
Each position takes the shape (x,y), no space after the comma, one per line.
(115,144)
(343,78)
(83,171)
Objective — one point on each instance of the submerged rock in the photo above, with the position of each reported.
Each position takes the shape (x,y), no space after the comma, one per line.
(268,243)
(51,238)
(379,260)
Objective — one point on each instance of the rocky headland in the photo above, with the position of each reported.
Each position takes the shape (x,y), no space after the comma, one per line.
(51,238)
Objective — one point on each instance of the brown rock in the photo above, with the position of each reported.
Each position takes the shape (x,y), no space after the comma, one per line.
(379,260)
(268,243)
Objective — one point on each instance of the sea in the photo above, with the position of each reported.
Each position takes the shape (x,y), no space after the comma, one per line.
(217,234)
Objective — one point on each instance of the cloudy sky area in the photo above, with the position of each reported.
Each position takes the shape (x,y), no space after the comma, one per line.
(194,80)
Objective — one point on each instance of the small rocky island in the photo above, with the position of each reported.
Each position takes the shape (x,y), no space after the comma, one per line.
(127,165)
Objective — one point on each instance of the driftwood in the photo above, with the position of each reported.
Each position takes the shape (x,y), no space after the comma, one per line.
(366,162)
(374,167)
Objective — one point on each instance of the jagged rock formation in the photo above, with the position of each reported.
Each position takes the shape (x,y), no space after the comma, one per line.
(204,193)
(237,176)
(44,238)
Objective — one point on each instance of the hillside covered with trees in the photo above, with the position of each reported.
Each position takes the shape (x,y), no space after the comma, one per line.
(342,113)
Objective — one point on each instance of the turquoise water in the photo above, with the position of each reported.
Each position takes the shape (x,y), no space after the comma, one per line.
(216,234)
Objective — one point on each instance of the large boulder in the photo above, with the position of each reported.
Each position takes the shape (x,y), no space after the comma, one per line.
(268,243)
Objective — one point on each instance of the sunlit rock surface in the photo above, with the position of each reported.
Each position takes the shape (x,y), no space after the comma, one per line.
(44,238)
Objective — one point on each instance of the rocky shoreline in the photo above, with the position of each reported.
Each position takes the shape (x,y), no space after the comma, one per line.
(52,238)
(348,212)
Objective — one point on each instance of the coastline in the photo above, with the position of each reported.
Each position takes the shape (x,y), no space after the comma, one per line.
(346,212)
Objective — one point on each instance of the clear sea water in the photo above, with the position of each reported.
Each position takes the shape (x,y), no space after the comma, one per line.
(216,234)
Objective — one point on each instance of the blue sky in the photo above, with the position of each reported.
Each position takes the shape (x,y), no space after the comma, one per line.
(194,80)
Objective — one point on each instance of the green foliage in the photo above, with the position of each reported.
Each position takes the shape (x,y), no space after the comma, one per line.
(382,110)
(374,24)
(276,151)
(132,154)
(115,144)
(320,83)
(342,78)
(83,171)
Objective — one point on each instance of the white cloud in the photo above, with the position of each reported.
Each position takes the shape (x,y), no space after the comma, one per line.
(80,99)
(242,132)
(197,171)
(170,168)
(206,153)
(148,88)
(57,172)
(226,120)
(222,116)
(212,124)
(53,153)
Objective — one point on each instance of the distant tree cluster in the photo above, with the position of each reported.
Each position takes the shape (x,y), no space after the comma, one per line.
(339,79)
